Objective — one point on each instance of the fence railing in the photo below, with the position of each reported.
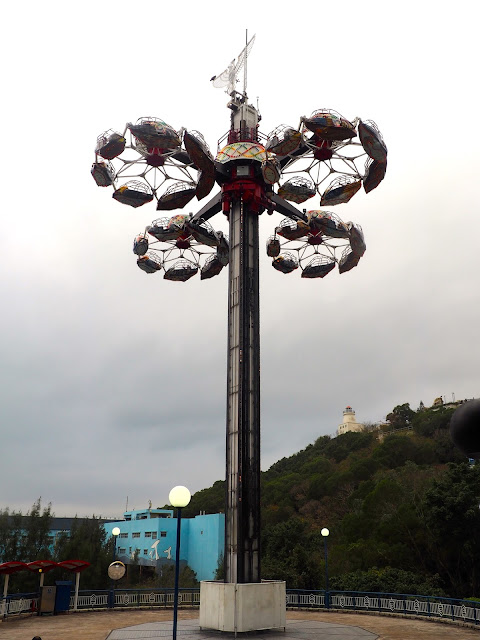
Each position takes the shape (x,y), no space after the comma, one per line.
(128,598)
(403,604)
(18,603)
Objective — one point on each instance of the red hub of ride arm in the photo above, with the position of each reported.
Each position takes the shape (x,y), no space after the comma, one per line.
(249,190)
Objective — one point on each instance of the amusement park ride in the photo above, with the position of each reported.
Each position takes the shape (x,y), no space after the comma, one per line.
(325,155)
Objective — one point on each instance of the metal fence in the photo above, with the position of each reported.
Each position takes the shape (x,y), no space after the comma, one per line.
(19,603)
(399,603)
(128,598)
(396,603)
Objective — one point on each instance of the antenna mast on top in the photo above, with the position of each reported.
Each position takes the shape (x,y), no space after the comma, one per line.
(245,66)
(229,77)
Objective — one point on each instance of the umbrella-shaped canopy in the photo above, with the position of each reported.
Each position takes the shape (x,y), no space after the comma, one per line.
(41,565)
(7,568)
(74,565)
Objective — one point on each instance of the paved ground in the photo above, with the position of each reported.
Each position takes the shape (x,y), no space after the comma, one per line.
(99,625)
(295,630)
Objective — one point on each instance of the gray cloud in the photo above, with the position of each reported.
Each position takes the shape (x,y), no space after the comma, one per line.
(113,382)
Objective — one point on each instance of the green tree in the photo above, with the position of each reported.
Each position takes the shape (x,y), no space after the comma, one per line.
(36,541)
(452,519)
(401,416)
(291,554)
(220,570)
(187,578)
(87,541)
(428,422)
(396,450)
(340,447)
(210,500)
(11,536)
(25,539)
(388,580)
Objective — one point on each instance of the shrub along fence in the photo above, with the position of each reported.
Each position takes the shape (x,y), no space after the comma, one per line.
(396,603)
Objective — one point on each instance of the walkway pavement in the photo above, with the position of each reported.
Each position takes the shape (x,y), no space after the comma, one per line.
(295,630)
(301,625)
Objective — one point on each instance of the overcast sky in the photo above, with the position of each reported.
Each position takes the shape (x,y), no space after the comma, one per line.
(113,382)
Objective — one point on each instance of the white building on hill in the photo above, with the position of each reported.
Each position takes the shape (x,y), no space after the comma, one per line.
(349,423)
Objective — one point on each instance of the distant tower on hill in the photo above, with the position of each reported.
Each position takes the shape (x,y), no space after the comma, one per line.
(349,423)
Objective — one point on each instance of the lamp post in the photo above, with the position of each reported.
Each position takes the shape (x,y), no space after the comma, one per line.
(115,534)
(325,533)
(178,497)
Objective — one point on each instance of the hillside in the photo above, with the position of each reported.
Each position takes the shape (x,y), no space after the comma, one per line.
(402,511)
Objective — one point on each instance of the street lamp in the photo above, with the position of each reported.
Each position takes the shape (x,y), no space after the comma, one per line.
(115,534)
(325,533)
(178,497)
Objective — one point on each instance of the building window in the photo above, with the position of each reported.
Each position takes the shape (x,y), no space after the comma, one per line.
(145,552)
(136,534)
(163,534)
(154,535)
(122,551)
(123,535)
(148,534)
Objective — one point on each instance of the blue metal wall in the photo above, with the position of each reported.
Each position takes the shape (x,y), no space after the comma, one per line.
(205,545)
(201,543)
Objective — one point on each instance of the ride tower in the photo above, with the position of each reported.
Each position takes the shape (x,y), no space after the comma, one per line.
(175,166)
(243,199)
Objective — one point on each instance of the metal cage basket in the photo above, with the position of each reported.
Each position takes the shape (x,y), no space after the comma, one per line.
(340,190)
(319,267)
(134,193)
(283,140)
(181,271)
(291,230)
(297,189)
(176,196)
(211,268)
(286,262)
(150,262)
(110,144)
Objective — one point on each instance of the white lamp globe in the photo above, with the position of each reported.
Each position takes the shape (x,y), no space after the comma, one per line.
(116,531)
(179,496)
(325,532)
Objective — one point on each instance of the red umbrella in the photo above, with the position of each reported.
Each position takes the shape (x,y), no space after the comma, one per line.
(6,568)
(42,566)
(76,566)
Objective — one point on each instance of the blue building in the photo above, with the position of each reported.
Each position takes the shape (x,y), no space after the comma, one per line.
(151,535)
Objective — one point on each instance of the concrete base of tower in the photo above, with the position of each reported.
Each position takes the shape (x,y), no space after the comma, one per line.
(234,607)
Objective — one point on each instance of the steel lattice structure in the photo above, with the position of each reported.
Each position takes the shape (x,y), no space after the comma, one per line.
(325,156)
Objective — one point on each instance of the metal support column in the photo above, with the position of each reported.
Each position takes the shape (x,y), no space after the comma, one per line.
(242,528)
